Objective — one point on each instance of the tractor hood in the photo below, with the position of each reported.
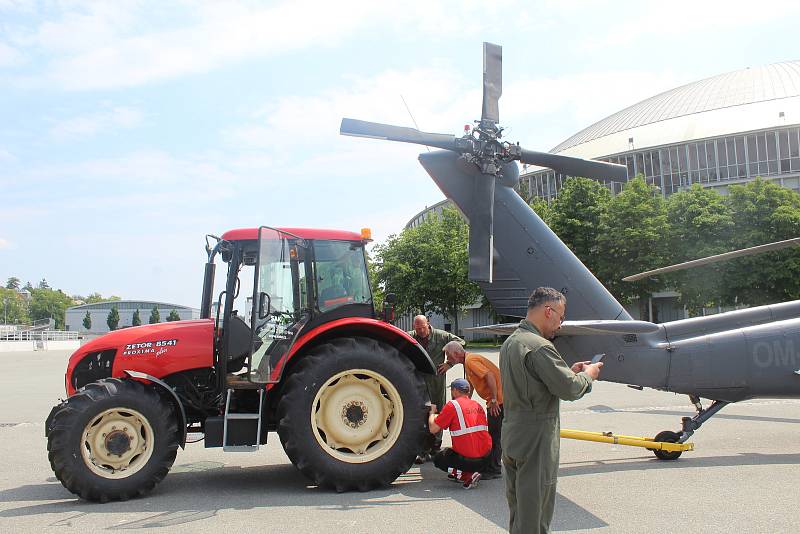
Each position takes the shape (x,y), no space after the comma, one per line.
(158,350)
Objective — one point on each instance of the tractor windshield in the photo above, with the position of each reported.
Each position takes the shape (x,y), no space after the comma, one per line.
(341,274)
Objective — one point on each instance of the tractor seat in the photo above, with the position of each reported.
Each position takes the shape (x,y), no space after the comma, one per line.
(240,338)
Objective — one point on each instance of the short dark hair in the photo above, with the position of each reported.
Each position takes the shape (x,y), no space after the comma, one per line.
(545,295)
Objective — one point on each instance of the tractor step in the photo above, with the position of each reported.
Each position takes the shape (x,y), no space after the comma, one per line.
(241,432)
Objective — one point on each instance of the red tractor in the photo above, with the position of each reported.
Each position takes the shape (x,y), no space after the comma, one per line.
(292,344)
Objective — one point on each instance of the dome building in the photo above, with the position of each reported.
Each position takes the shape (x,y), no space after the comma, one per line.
(719,131)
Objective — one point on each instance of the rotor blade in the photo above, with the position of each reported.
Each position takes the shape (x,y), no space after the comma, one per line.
(376,130)
(575,166)
(713,259)
(492,81)
(481,230)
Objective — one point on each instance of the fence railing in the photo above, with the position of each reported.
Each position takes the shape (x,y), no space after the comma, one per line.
(39,335)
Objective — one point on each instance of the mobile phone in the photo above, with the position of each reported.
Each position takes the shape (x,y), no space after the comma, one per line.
(598,357)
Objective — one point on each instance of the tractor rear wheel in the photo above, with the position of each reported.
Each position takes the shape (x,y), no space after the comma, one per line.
(112,440)
(353,415)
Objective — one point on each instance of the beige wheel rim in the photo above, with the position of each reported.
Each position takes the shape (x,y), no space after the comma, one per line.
(117,443)
(357,416)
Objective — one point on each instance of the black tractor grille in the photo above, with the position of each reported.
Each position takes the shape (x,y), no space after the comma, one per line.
(93,367)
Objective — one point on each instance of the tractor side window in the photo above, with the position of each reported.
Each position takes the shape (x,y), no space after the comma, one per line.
(341,274)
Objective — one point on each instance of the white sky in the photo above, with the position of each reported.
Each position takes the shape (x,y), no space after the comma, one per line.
(130,129)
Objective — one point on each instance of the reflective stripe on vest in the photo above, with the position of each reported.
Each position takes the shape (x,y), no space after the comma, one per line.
(463,424)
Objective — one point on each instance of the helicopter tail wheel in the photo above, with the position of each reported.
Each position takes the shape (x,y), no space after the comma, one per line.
(669,437)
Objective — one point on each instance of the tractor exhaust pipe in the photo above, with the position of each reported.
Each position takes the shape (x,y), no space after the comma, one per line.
(208,287)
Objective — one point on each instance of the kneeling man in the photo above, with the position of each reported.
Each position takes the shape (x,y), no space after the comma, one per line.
(472,444)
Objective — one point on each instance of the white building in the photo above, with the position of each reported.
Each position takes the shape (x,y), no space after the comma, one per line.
(98,313)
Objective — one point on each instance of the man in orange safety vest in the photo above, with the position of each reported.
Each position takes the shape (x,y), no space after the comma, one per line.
(469,430)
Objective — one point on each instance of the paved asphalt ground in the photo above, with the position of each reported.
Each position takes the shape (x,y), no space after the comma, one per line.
(743,476)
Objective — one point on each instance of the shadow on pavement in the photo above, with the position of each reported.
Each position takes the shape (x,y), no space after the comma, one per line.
(650,463)
(184,497)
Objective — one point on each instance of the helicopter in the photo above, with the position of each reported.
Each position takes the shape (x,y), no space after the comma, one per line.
(725,358)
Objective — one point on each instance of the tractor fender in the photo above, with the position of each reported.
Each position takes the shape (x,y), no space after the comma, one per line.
(175,400)
(361,327)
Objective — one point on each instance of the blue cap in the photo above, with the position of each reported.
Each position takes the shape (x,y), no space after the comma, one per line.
(460,384)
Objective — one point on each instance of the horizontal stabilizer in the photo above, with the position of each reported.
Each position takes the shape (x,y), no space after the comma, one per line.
(578,328)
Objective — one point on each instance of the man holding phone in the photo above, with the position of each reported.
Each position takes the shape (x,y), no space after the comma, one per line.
(535,378)
(597,358)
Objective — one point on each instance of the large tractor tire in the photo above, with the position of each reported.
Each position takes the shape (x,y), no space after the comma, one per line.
(112,440)
(353,415)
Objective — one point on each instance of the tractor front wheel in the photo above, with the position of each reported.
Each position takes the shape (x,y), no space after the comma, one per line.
(353,416)
(112,440)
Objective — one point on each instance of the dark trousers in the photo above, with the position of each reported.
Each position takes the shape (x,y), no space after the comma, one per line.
(436,393)
(447,458)
(432,443)
(495,426)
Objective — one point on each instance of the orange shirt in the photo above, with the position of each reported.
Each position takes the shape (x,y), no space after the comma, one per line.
(477,367)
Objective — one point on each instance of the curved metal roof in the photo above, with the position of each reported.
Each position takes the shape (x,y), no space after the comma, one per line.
(144,304)
(737,88)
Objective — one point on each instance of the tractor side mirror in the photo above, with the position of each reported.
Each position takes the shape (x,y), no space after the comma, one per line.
(264,305)
(388,307)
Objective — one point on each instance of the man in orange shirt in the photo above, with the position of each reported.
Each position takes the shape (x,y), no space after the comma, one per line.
(472,445)
(483,377)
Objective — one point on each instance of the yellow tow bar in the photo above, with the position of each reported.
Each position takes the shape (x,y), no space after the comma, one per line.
(633,441)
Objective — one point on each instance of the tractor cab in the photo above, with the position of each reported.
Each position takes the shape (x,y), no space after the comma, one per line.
(280,283)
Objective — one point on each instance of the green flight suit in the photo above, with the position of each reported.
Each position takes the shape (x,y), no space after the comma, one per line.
(436,383)
(534,378)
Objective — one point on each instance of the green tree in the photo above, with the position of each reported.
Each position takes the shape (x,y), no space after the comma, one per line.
(43,284)
(542,209)
(87,321)
(28,287)
(426,267)
(13,307)
(137,320)
(94,298)
(13,283)
(632,235)
(155,317)
(700,225)
(113,318)
(575,217)
(49,303)
(523,190)
(763,212)
(173,316)
(97,297)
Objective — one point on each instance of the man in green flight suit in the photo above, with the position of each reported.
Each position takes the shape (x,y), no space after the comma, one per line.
(433,341)
(534,378)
